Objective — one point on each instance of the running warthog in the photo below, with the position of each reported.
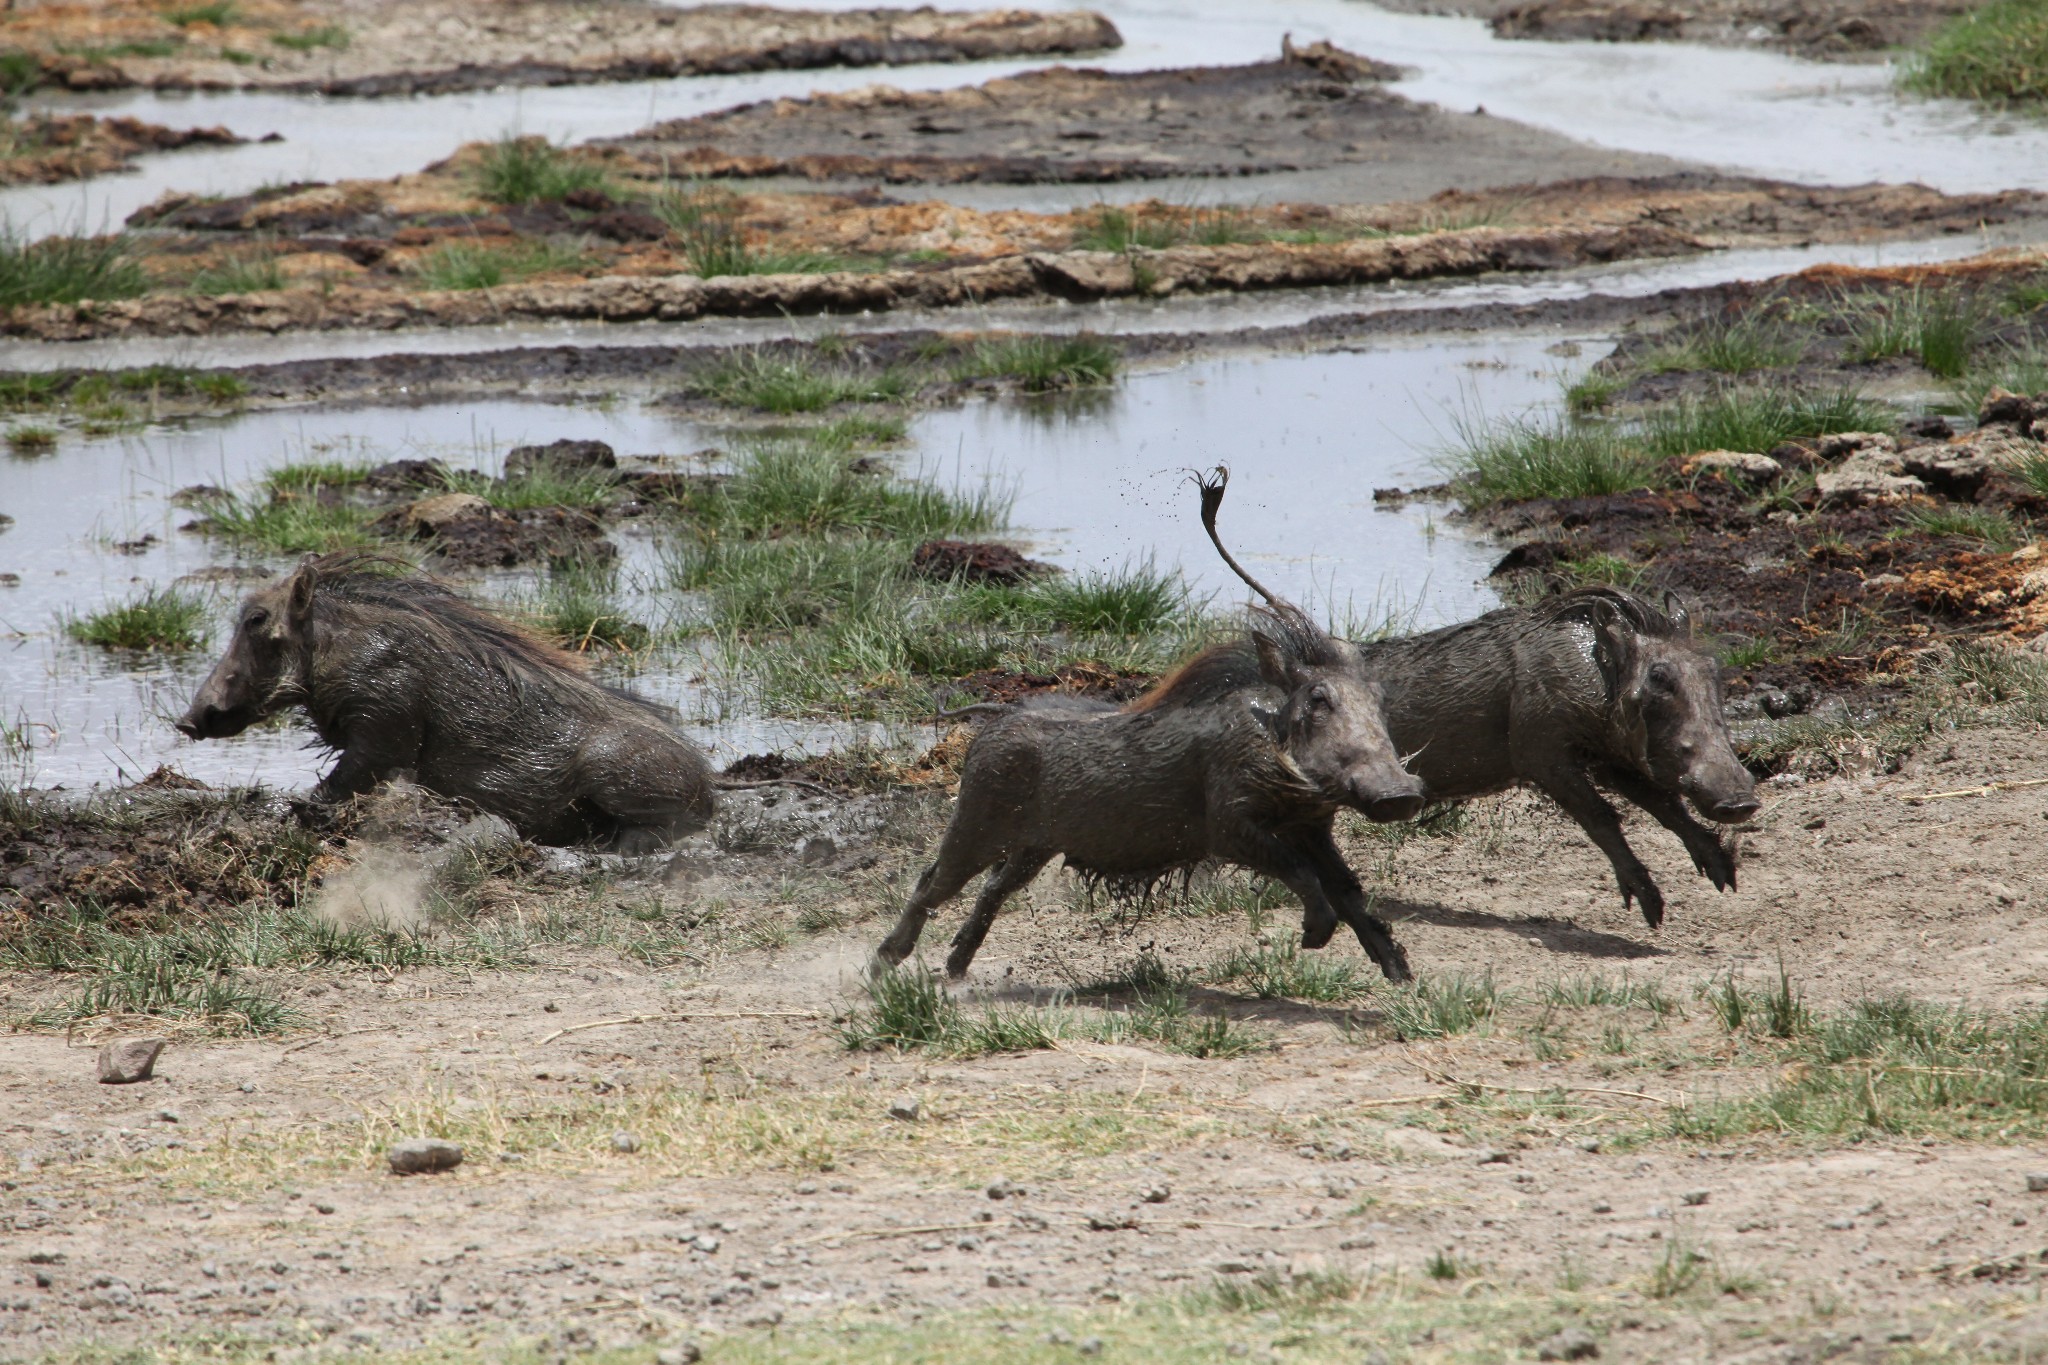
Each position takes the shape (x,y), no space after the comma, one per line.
(403,677)
(1243,756)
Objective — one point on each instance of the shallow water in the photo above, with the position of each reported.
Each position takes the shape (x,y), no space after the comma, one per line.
(1723,107)
(1116,317)
(1096,486)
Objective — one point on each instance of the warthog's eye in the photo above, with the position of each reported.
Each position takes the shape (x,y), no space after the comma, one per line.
(1319,700)
(256,619)
(1664,677)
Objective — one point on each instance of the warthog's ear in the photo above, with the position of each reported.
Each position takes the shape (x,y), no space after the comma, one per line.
(299,592)
(1681,619)
(1274,665)
(1614,648)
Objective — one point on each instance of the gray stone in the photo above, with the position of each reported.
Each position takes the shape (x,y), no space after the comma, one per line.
(906,1108)
(1573,1343)
(422,1156)
(1488,1156)
(1089,1346)
(688,1353)
(1602,1206)
(1871,474)
(1003,1189)
(2037,1182)
(1693,1198)
(1737,464)
(128,1060)
(1158,1194)
(625,1142)
(705,1243)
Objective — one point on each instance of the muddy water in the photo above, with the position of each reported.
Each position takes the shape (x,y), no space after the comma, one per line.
(1724,107)
(1098,484)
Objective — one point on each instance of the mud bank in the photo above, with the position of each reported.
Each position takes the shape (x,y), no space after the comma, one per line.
(329,47)
(48,149)
(356,257)
(1317,108)
(1819,30)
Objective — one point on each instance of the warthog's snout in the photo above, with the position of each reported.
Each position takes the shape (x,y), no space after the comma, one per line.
(1386,805)
(1732,811)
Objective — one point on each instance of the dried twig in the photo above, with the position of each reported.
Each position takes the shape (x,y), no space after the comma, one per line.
(1987,789)
(330,1037)
(1445,1078)
(888,1232)
(664,1018)
(727,785)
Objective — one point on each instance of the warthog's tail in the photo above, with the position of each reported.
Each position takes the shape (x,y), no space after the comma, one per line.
(1212,488)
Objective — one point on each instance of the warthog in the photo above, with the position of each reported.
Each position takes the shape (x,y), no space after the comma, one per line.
(1244,755)
(401,676)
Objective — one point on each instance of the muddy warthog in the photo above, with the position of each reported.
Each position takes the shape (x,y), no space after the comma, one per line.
(402,676)
(1242,756)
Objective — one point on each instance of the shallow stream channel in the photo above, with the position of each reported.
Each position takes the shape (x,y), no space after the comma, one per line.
(1096,481)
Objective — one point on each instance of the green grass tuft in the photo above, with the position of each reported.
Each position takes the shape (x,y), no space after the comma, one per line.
(1986,526)
(249,274)
(467,265)
(1043,363)
(1751,342)
(1530,457)
(163,620)
(758,378)
(1757,419)
(66,270)
(1438,1007)
(526,170)
(1997,54)
(307,40)
(1281,971)
(219,13)
(31,439)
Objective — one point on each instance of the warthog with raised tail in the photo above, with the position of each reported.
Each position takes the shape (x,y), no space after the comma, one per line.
(1243,756)
(403,677)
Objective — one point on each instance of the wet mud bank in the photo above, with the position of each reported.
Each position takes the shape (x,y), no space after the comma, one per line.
(49,149)
(439,47)
(1820,30)
(367,257)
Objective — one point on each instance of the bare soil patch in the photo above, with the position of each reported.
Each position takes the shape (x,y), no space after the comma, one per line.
(375,47)
(768,1198)
(47,149)
(1820,30)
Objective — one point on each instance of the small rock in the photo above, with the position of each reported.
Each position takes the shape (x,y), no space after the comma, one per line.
(323,1208)
(1870,476)
(167,1115)
(1573,1343)
(1589,1144)
(445,509)
(1004,1189)
(625,1142)
(422,1156)
(551,1008)
(689,1353)
(1693,1198)
(1839,1224)
(2037,1182)
(1158,1194)
(1488,1156)
(705,1243)
(1089,1346)
(247,1087)
(1736,464)
(1602,1206)
(129,1060)
(905,1108)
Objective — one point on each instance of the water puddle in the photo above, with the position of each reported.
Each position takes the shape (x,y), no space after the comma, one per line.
(1097,484)
(1116,317)
(1721,107)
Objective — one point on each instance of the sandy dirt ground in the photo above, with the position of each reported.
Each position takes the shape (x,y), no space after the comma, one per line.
(374,47)
(243,1189)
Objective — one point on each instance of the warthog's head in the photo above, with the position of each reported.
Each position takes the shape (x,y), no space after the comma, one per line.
(1666,698)
(1333,722)
(261,670)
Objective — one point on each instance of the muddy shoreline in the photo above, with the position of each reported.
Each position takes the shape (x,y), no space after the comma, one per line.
(435,48)
(49,149)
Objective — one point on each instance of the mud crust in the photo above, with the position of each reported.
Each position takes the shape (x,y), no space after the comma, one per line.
(1820,30)
(381,48)
(48,149)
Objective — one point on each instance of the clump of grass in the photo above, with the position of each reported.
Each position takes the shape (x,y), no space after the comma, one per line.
(219,13)
(758,378)
(1533,457)
(1604,569)
(247,274)
(526,170)
(786,485)
(1998,54)
(1750,652)
(1281,971)
(1443,1265)
(1042,363)
(1114,229)
(705,219)
(1678,1270)
(1594,989)
(1943,327)
(581,616)
(1134,600)
(162,620)
(1758,419)
(909,1010)
(1750,342)
(1594,390)
(31,439)
(470,265)
(288,521)
(1438,1007)
(1778,1011)
(1987,526)
(1272,1292)
(154,382)
(2016,369)
(66,270)
(307,40)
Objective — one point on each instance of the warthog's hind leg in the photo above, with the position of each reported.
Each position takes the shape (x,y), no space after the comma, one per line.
(1009,877)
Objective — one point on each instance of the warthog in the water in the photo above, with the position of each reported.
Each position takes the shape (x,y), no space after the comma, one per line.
(1243,756)
(403,677)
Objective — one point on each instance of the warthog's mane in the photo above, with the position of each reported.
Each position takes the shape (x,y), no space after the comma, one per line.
(446,620)
(1581,603)
(1233,666)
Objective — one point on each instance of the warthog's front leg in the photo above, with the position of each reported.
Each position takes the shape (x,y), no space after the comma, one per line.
(1569,787)
(1010,876)
(1347,896)
(1300,863)
(1709,854)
